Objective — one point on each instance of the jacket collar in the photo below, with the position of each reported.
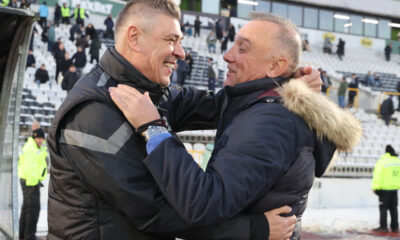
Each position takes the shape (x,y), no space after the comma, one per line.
(254,86)
(125,73)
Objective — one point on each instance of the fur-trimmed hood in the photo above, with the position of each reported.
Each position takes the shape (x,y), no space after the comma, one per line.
(322,115)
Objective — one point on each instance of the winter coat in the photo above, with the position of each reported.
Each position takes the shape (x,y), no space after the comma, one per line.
(41,75)
(387,107)
(65,64)
(59,55)
(109,23)
(30,60)
(51,34)
(99,187)
(79,59)
(95,46)
(265,154)
(69,80)
(342,89)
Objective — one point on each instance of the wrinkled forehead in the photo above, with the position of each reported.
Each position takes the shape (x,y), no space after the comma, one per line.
(257,32)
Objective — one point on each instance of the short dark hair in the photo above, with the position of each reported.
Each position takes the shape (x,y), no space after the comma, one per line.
(389,149)
(135,7)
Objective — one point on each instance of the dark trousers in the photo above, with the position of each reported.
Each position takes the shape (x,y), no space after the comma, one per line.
(387,118)
(352,95)
(387,56)
(80,21)
(94,58)
(388,201)
(43,22)
(29,212)
(211,84)
(197,32)
(57,21)
(65,20)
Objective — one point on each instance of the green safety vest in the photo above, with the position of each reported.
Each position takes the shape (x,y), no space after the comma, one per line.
(82,13)
(32,163)
(386,174)
(5,3)
(64,12)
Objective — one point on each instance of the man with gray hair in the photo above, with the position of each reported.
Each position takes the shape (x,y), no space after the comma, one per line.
(99,187)
(273,133)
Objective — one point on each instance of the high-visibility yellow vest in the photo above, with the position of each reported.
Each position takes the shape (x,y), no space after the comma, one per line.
(386,174)
(32,165)
(81,13)
(5,3)
(64,12)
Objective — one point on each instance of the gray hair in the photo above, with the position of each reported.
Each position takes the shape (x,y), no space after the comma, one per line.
(145,8)
(288,39)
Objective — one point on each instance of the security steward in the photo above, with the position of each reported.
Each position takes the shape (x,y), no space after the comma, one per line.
(32,169)
(65,14)
(79,15)
(385,182)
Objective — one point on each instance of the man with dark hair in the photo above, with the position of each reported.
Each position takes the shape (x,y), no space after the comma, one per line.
(79,15)
(41,75)
(32,169)
(70,78)
(100,188)
(385,182)
(65,14)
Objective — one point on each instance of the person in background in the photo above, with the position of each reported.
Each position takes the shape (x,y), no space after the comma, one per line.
(5,3)
(340,49)
(231,32)
(57,14)
(51,37)
(211,42)
(43,13)
(377,81)
(224,41)
(13,4)
(79,15)
(94,50)
(82,41)
(197,25)
(32,169)
(109,27)
(70,78)
(211,76)
(218,30)
(30,61)
(59,56)
(385,182)
(326,82)
(352,93)
(56,46)
(182,71)
(369,79)
(41,75)
(65,64)
(327,45)
(79,60)
(305,45)
(189,60)
(65,14)
(189,30)
(387,110)
(342,92)
(388,52)
(90,31)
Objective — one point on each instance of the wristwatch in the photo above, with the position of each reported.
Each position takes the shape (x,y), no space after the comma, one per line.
(152,131)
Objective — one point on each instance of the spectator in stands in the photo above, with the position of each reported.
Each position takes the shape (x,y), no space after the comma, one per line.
(41,75)
(388,51)
(70,78)
(109,27)
(65,64)
(352,93)
(212,42)
(44,38)
(342,92)
(398,91)
(211,76)
(57,14)
(55,46)
(90,31)
(340,49)
(13,4)
(32,169)
(182,27)
(369,79)
(75,29)
(51,37)
(326,82)
(94,50)
(327,45)
(30,61)
(387,110)
(224,41)
(189,60)
(189,30)
(79,15)
(231,32)
(25,4)
(82,41)
(79,60)
(385,182)
(59,55)
(218,29)
(65,14)
(197,25)
(43,13)
(183,70)
(305,45)
(377,81)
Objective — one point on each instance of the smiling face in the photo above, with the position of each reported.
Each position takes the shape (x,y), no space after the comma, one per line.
(252,53)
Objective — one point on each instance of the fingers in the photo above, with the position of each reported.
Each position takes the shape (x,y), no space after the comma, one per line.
(121,104)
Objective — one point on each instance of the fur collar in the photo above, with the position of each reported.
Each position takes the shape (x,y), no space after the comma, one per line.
(322,115)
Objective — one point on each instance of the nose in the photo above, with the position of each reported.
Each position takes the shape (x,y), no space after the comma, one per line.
(179,52)
(228,56)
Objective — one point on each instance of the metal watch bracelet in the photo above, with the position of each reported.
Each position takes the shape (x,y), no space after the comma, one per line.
(152,131)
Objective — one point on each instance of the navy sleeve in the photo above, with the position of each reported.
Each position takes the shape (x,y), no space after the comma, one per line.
(253,153)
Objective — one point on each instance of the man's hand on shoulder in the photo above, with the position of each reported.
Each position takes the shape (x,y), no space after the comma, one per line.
(310,76)
(280,227)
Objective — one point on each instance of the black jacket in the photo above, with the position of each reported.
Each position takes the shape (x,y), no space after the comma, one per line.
(65,64)
(69,80)
(41,75)
(30,62)
(79,59)
(387,107)
(264,157)
(99,187)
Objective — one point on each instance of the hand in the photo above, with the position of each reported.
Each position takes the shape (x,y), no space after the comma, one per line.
(137,108)
(310,76)
(280,227)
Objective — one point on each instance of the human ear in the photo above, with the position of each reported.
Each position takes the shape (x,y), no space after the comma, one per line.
(133,35)
(277,67)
